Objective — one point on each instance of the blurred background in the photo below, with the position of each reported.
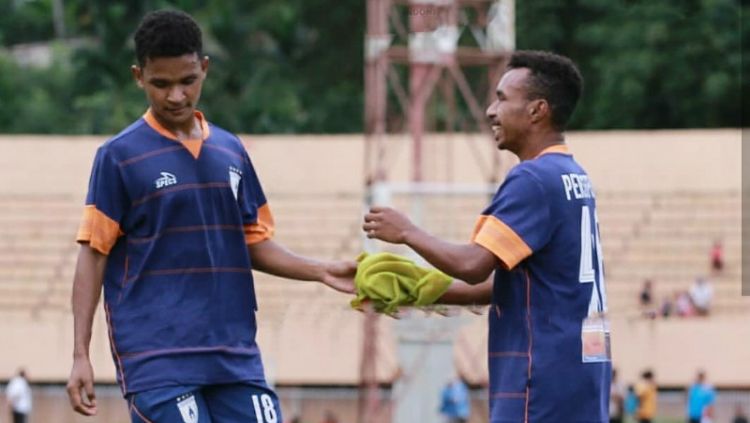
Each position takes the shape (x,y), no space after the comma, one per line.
(349,103)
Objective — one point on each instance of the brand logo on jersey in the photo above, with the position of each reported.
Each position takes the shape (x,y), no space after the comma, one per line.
(235,175)
(165,180)
(188,408)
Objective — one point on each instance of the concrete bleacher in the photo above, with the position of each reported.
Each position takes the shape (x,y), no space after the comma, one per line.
(658,231)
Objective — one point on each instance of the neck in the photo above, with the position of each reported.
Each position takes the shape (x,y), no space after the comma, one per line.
(538,142)
(191,128)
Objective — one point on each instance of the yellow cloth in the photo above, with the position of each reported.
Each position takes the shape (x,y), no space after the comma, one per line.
(389,281)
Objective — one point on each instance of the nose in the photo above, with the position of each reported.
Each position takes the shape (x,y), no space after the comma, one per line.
(175,95)
(492,111)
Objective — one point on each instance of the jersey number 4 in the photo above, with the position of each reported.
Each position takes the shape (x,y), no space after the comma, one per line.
(590,244)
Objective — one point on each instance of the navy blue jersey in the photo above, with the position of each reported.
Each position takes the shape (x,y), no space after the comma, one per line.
(175,219)
(542,225)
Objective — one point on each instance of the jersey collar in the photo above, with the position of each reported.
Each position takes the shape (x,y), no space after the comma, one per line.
(557,148)
(193,145)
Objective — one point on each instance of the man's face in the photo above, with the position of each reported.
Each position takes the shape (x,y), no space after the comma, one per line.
(173,86)
(509,113)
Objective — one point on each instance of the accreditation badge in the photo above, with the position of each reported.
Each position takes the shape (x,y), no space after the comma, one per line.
(595,345)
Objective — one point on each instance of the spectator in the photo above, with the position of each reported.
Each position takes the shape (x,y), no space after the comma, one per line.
(701,399)
(739,415)
(454,403)
(717,257)
(616,400)
(631,402)
(701,294)
(684,305)
(646,392)
(646,299)
(667,307)
(18,395)
(646,296)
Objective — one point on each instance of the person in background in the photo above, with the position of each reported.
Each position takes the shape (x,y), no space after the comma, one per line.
(646,392)
(18,396)
(454,403)
(717,257)
(701,294)
(646,299)
(683,304)
(616,400)
(631,402)
(701,400)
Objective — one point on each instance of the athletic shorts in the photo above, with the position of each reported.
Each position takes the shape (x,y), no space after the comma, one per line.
(230,403)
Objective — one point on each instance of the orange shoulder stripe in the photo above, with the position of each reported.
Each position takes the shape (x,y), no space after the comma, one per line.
(261,230)
(98,230)
(494,235)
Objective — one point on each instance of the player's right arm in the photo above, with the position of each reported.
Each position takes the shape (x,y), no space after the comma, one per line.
(87,287)
(468,262)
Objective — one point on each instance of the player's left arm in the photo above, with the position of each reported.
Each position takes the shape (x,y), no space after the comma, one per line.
(270,257)
(462,293)
(468,262)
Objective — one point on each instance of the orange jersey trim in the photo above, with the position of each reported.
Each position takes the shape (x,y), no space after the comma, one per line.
(192,145)
(494,235)
(559,148)
(263,229)
(98,230)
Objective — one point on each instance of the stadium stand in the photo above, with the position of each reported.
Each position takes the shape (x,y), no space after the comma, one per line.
(657,222)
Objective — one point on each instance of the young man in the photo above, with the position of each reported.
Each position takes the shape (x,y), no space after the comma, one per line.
(548,339)
(175,220)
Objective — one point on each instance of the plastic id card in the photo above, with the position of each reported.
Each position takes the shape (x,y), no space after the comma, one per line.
(595,340)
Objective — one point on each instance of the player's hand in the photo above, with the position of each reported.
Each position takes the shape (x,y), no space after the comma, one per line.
(339,275)
(81,387)
(387,224)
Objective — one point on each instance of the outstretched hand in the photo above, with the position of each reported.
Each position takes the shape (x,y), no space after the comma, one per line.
(387,224)
(339,275)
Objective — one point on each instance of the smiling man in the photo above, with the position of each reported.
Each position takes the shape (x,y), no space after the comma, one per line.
(174,223)
(548,334)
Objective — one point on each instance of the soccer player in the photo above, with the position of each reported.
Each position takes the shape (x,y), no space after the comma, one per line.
(175,220)
(548,338)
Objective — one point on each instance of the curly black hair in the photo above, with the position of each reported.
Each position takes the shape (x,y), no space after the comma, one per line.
(553,78)
(167,33)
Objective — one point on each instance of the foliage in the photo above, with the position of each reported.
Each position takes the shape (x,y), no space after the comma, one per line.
(297,65)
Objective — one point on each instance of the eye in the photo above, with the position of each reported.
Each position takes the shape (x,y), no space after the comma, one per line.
(189,81)
(159,84)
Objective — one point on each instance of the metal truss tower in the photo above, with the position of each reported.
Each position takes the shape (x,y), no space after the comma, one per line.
(430,66)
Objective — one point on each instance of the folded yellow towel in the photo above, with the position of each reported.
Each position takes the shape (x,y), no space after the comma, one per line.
(389,281)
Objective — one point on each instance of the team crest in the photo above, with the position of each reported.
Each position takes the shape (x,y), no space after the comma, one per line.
(188,409)
(235,175)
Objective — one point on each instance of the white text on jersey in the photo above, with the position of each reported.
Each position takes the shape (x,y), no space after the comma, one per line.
(165,180)
(578,185)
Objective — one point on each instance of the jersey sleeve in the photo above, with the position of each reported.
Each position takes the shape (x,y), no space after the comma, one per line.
(106,204)
(517,222)
(257,219)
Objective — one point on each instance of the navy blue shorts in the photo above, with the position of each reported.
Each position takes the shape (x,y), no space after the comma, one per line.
(231,403)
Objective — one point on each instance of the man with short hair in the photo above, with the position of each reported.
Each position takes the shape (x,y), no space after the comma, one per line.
(548,337)
(175,221)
